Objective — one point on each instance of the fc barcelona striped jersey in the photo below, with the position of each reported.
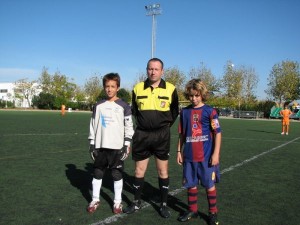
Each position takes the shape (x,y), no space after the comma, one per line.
(198,127)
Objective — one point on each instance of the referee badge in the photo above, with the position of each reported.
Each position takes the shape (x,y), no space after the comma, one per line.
(162,104)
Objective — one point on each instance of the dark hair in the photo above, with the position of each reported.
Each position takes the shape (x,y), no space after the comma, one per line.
(155,60)
(112,76)
(286,104)
(197,85)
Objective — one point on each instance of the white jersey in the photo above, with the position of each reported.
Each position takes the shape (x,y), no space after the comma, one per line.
(111,124)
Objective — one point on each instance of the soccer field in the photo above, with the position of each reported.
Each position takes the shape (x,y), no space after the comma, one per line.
(46,174)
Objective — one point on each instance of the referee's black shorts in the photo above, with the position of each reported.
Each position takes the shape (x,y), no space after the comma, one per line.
(148,143)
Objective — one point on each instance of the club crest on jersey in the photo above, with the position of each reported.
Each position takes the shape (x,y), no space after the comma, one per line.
(162,104)
(195,117)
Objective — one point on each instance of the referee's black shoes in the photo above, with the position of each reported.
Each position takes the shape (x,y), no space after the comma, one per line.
(135,205)
(187,216)
(164,211)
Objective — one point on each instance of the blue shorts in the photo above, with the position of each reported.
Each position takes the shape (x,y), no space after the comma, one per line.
(195,173)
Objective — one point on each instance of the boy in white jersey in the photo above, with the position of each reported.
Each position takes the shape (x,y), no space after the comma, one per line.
(111,130)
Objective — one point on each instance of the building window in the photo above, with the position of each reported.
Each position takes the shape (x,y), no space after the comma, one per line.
(3,91)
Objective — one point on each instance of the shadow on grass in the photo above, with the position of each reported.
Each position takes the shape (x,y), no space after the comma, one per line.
(82,180)
(151,195)
(263,131)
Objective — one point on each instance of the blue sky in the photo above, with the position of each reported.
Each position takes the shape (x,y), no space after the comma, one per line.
(81,38)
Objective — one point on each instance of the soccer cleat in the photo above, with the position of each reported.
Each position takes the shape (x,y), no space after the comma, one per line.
(164,211)
(117,208)
(286,133)
(93,206)
(282,133)
(135,205)
(187,216)
(212,219)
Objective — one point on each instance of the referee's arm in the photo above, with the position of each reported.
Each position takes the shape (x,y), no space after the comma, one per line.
(134,106)
(174,107)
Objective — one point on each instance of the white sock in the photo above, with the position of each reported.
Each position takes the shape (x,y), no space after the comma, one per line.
(96,189)
(118,187)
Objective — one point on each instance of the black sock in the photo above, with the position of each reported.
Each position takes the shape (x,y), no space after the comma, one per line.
(138,187)
(164,189)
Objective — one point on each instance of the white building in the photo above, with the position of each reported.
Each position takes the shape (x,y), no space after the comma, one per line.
(7,93)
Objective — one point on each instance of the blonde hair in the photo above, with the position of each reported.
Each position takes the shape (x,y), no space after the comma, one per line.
(197,85)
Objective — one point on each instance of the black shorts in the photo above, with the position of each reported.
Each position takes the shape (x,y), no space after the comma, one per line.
(108,158)
(147,143)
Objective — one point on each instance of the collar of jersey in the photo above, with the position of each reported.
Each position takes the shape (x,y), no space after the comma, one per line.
(162,84)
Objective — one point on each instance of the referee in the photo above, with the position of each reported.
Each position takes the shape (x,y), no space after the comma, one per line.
(155,108)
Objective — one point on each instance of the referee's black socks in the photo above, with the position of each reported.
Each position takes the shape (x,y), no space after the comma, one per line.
(164,189)
(138,185)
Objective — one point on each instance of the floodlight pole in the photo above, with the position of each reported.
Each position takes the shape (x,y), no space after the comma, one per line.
(153,10)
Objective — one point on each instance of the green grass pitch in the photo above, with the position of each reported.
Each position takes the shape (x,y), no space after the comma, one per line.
(46,174)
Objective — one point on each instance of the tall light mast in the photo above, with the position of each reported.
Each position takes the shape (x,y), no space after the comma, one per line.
(153,10)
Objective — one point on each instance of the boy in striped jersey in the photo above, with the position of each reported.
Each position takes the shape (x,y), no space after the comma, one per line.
(200,134)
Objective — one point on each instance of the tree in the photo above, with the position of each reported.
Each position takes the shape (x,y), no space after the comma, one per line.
(46,81)
(204,74)
(124,94)
(92,89)
(284,81)
(25,90)
(59,86)
(141,76)
(233,80)
(43,101)
(80,95)
(239,84)
(62,87)
(250,83)
(177,78)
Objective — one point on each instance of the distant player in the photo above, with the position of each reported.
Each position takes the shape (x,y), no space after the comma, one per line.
(111,130)
(63,109)
(285,113)
(200,134)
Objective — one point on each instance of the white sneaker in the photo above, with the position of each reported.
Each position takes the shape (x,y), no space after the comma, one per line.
(286,133)
(93,206)
(118,208)
(282,133)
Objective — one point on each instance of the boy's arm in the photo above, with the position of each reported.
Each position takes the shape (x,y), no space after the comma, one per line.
(179,149)
(91,136)
(215,158)
(128,133)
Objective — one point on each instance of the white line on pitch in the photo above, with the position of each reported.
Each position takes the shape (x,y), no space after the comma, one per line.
(114,218)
